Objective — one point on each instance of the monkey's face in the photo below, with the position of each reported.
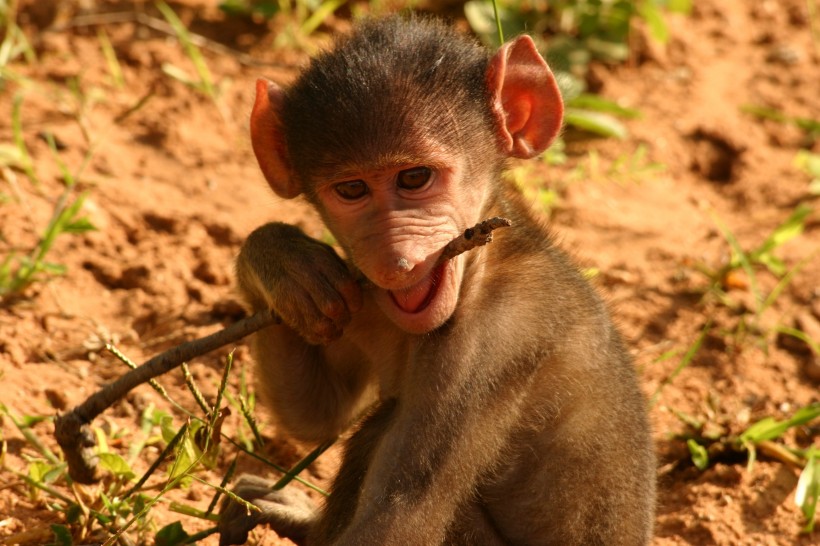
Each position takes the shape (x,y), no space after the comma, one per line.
(395,144)
(394,222)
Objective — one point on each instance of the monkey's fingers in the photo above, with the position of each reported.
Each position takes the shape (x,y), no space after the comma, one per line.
(330,282)
(307,314)
(336,295)
(351,292)
(478,235)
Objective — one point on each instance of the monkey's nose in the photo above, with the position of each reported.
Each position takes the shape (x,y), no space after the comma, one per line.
(399,272)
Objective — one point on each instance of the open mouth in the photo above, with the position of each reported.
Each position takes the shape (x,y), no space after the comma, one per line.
(416,298)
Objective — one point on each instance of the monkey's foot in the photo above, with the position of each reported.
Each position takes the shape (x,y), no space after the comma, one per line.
(289,512)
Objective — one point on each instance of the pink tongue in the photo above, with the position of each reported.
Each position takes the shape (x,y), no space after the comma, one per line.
(410,300)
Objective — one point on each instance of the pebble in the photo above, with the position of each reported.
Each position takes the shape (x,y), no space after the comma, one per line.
(784,54)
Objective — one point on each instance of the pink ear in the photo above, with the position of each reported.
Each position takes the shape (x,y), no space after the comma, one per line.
(526,100)
(268,142)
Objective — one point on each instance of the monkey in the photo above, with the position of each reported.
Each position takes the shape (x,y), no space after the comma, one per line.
(490,397)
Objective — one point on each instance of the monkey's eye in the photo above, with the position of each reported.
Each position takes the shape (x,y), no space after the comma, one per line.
(415,178)
(351,190)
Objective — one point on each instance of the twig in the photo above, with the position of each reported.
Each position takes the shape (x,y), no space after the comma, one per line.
(780,453)
(71,429)
(478,235)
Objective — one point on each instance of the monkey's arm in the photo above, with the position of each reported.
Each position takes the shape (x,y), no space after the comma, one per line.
(309,286)
(314,392)
(303,280)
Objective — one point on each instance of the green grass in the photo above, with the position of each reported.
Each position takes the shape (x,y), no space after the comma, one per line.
(750,325)
(114,66)
(572,34)
(684,362)
(810,126)
(809,163)
(302,18)
(707,441)
(19,270)
(767,434)
(204,82)
(14,44)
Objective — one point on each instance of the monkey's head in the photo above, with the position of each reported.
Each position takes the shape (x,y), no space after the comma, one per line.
(397,136)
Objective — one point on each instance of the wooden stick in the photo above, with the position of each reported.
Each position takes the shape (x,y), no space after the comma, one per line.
(478,235)
(71,429)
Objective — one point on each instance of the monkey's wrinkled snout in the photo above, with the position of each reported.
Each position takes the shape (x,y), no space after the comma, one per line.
(398,273)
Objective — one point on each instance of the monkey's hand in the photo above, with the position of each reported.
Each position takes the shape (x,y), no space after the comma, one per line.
(289,512)
(301,279)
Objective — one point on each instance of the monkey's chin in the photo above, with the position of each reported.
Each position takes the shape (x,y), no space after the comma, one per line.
(425,306)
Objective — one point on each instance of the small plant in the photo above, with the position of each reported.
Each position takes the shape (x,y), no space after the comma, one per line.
(580,29)
(17,155)
(205,82)
(810,164)
(805,160)
(576,32)
(767,436)
(14,42)
(762,255)
(741,271)
(122,501)
(810,126)
(628,167)
(19,271)
(807,494)
(684,363)
(261,8)
(533,188)
(712,440)
(595,114)
(302,18)
(111,60)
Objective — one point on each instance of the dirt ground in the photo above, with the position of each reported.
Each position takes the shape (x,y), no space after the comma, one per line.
(173,188)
